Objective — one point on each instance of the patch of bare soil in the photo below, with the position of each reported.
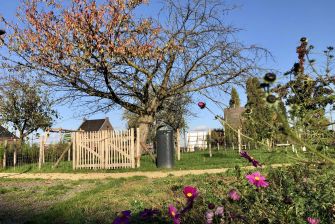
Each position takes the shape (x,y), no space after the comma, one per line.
(90,176)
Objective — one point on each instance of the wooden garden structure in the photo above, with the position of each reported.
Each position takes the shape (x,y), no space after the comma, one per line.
(106,149)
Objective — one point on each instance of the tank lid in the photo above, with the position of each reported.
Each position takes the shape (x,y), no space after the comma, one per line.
(164,127)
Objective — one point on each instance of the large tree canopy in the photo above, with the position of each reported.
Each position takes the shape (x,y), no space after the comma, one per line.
(104,53)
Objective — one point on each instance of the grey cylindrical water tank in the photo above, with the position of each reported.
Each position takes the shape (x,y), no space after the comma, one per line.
(164,147)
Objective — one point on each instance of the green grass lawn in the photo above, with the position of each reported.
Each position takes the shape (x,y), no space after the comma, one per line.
(189,161)
(41,201)
(98,201)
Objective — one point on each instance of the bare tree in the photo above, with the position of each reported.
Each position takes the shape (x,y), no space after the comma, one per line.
(107,56)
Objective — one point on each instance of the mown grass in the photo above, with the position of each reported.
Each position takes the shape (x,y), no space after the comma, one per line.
(103,200)
(189,161)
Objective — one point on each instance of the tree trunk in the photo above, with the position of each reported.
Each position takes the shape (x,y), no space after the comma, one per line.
(144,124)
(21,138)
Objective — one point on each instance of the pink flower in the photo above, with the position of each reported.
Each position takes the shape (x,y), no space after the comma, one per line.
(190,192)
(209,215)
(234,195)
(219,211)
(313,221)
(257,180)
(202,105)
(173,212)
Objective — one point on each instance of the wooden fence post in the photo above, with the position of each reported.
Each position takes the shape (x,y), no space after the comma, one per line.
(4,155)
(15,154)
(40,160)
(132,148)
(268,144)
(69,155)
(45,139)
(73,139)
(178,145)
(239,140)
(210,142)
(138,162)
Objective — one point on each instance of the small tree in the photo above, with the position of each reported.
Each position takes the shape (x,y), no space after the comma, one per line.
(25,106)
(308,93)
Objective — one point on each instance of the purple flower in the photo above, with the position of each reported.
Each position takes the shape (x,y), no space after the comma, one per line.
(173,212)
(123,217)
(148,213)
(202,105)
(209,216)
(254,162)
(190,192)
(313,221)
(219,211)
(211,206)
(257,180)
(234,195)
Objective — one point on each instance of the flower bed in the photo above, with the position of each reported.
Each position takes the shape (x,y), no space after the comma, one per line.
(297,194)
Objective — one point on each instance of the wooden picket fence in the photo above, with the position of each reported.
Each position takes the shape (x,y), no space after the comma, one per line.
(106,149)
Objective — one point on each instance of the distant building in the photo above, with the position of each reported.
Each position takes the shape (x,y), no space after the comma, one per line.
(197,140)
(6,135)
(96,125)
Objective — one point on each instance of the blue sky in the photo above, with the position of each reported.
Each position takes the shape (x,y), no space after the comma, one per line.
(272,24)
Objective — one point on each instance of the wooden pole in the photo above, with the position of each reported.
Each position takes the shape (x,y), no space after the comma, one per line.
(138,161)
(218,145)
(178,145)
(40,160)
(210,143)
(43,148)
(185,143)
(73,140)
(188,143)
(132,147)
(4,155)
(45,140)
(15,154)
(62,155)
(239,140)
(69,154)
(60,135)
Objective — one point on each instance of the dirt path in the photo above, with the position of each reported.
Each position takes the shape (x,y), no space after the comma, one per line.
(88,176)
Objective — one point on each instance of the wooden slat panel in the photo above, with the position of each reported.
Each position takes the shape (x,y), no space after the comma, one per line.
(73,139)
(104,149)
(138,147)
(132,148)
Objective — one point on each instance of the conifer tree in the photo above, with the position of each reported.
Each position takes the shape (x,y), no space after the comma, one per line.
(258,122)
(235,99)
